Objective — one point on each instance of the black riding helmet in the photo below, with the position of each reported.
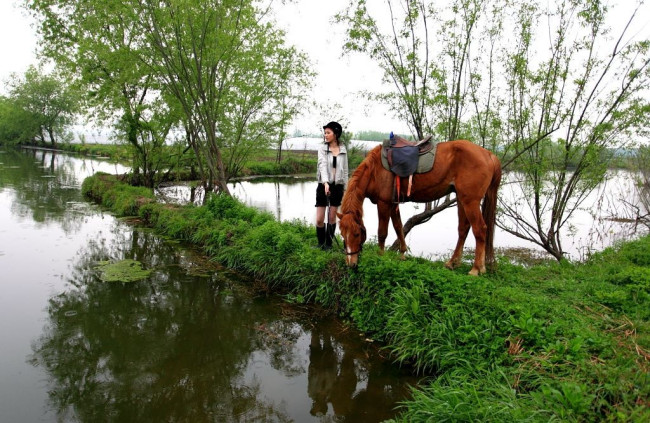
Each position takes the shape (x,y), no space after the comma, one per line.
(336,128)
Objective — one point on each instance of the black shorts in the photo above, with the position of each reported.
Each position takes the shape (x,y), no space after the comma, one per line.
(335,197)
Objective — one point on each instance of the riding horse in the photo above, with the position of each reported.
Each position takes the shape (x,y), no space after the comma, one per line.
(460,166)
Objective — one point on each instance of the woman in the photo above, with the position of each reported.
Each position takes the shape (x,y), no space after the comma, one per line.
(332,177)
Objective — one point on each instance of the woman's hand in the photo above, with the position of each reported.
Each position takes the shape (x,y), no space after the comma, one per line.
(327,188)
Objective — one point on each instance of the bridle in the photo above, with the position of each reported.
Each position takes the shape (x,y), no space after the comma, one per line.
(351,253)
(363,235)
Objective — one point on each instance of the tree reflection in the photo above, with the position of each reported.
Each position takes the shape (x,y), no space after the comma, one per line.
(43,186)
(176,347)
(159,350)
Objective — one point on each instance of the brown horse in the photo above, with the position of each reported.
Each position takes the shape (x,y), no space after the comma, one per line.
(460,166)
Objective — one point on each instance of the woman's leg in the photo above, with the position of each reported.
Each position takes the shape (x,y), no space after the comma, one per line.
(321,231)
(320,216)
(331,226)
(332,215)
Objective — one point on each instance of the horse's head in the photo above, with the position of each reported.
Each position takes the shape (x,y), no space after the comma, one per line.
(354,235)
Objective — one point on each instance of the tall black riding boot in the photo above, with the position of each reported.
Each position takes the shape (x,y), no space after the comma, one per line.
(321,235)
(331,229)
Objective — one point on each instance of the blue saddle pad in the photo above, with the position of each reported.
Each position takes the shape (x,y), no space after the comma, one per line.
(405,161)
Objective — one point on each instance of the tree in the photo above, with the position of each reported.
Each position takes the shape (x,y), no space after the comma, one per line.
(590,89)
(16,124)
(642,208)
(265,95)
(47,103)
(549,112)
(402,51)
(228,70)
(99,46)
(212,68)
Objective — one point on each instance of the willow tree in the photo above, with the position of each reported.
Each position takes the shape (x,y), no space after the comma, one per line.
(12,117)
(399,45)
(265,94)
(548,86)
(217,69)
(44,106)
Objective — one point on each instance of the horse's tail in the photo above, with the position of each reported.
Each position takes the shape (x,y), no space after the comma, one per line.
(489,211)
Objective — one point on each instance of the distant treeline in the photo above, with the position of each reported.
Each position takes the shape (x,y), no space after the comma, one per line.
(376,136)
(361,136)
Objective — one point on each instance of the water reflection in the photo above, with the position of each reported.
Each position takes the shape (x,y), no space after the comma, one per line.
(188,344)
(45,185)
(339,385)
(182,347)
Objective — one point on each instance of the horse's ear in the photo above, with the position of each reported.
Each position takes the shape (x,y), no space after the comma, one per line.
(339,215)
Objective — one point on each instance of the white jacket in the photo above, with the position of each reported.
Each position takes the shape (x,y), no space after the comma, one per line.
(325,162)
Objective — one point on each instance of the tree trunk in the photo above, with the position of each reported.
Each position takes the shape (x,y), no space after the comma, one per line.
(423,217)
(50,132)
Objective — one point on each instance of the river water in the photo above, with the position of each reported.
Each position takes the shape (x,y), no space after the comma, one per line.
(605,217)
(190,343)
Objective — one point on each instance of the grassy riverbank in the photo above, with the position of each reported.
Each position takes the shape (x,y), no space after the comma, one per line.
(558,341)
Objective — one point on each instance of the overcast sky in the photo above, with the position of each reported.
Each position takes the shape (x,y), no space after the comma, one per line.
(309,26)
(17,41)
(340,78)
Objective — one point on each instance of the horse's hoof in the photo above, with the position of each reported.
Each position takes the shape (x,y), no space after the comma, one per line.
(477,272)
(403,257)
(451,265)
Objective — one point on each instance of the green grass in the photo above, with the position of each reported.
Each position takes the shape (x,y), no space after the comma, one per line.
(549,342)
(119,152)
(289,166)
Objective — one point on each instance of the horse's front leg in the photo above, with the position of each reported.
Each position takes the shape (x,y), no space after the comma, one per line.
(383,212)
(396,217)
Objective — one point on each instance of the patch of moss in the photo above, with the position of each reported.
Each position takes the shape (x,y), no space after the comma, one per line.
(122,271)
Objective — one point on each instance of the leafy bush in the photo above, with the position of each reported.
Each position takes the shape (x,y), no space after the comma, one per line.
(95,186)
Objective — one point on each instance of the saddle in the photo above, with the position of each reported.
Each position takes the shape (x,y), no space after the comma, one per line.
(405,158)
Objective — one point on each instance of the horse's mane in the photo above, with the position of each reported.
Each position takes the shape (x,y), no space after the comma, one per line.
(358,183)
